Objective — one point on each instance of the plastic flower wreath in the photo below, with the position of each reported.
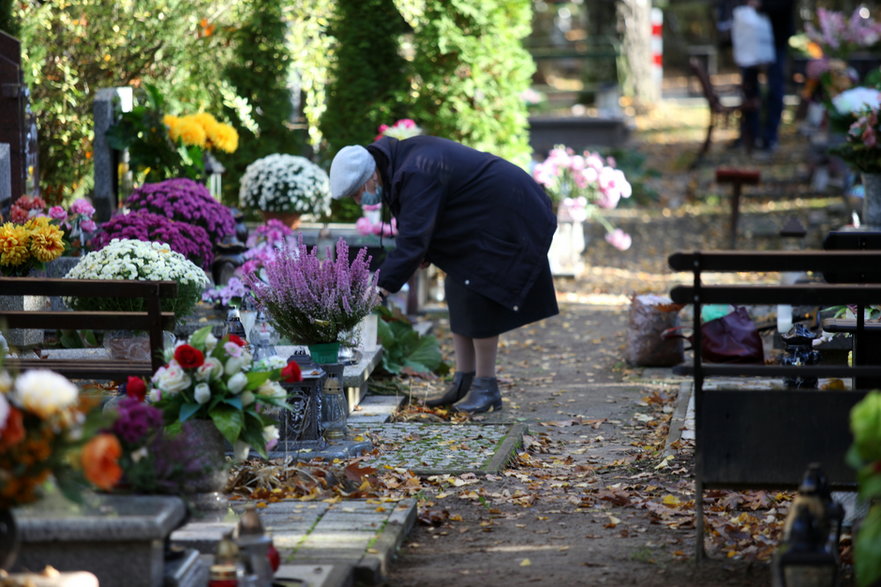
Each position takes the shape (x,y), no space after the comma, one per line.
(134,259)
(285,183)
(207,378)
(189,240)
(582,185)
(25,247)
(185,200)
(48,429)
(311,300)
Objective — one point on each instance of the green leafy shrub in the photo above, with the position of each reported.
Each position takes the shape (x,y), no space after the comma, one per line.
(404,350)
(470,71)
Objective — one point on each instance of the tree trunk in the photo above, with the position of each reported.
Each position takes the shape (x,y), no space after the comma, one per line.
(637,79)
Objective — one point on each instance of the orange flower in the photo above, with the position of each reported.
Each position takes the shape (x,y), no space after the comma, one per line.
(100,461)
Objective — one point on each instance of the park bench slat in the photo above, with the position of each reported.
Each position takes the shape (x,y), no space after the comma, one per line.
(772,261)
(76,320)
(750,370)
(798,294)
(93,288)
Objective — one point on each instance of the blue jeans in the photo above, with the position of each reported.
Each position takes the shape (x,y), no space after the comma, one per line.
(762,126)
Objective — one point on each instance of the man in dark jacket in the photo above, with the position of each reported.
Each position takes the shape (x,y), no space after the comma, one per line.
(483,221)
(765,130)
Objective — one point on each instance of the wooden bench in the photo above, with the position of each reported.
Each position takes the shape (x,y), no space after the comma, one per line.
(719,110)
(746,438)
(152,319)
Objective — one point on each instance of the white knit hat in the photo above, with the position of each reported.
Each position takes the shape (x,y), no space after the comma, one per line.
(351,168)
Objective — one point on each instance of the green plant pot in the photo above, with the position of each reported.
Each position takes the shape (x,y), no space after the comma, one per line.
(325,353)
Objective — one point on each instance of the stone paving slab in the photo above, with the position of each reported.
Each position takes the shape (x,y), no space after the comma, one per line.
(348,541)
(435,449)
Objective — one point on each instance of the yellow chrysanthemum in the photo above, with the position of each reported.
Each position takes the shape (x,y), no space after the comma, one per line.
(13,244)
(47,243)
(171,122)
(189,132)
(36,222)
(206,120)
(224,137)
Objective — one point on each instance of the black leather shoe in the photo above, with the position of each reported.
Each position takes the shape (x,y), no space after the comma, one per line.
(483,397)
(456,391)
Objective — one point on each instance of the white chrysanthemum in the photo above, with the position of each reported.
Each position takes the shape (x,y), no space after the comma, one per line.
(285,183)
(45,393)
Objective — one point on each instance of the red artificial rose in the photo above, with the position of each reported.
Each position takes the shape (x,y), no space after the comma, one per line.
(237,340)
(291,373)
(136,388)
(274,558)
(188,357)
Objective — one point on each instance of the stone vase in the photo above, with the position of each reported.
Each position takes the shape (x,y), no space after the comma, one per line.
(568,243)
(21,337)
(204,489)
(872,201)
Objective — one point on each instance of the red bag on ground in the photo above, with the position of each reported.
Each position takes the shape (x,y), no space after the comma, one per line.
(733,338)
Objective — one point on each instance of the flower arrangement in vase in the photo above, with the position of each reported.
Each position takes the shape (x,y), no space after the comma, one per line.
(313,301)
(207,378)
(28,246)
(161,145)
(184,200)
(49,429)
(190,240)
(862,148)
(135,259)
(581,185)
(285,184)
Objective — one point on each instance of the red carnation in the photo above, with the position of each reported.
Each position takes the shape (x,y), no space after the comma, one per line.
(291,373)
(234,338)
(136,388)
(188,357)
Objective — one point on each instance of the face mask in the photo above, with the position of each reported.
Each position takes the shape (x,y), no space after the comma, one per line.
(371,198)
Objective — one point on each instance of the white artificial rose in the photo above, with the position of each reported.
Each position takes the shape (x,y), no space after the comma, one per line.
(154,395)
(237,382)
(5,382)
(235,365)
(272,389)
(247,399)
(202,393)
(45,392)
(171,378)
(210,342)
(210,370)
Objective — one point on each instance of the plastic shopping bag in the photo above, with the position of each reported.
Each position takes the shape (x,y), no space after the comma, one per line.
(752,38)
(650,316)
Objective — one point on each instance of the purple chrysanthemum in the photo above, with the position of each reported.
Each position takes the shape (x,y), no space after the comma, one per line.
(189,240)
(187,201)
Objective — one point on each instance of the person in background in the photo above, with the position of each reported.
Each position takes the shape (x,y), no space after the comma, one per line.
(762,125)
(479,218)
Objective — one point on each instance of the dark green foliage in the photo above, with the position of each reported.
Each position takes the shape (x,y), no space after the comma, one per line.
(404,350)
(7,23)
(368,80)
(259,72)
(471,69)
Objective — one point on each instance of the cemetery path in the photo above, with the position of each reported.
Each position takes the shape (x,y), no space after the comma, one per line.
(598,496)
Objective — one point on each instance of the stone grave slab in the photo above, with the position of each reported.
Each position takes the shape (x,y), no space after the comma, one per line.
(118,538)
(435,449)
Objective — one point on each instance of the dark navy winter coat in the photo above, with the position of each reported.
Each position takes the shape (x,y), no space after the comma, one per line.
(482,220)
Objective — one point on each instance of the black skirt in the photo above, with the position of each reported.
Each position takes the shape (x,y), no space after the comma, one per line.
(477,316)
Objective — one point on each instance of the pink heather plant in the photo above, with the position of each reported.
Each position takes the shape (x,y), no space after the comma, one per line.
(311,300)
(839,36)
(582,185)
